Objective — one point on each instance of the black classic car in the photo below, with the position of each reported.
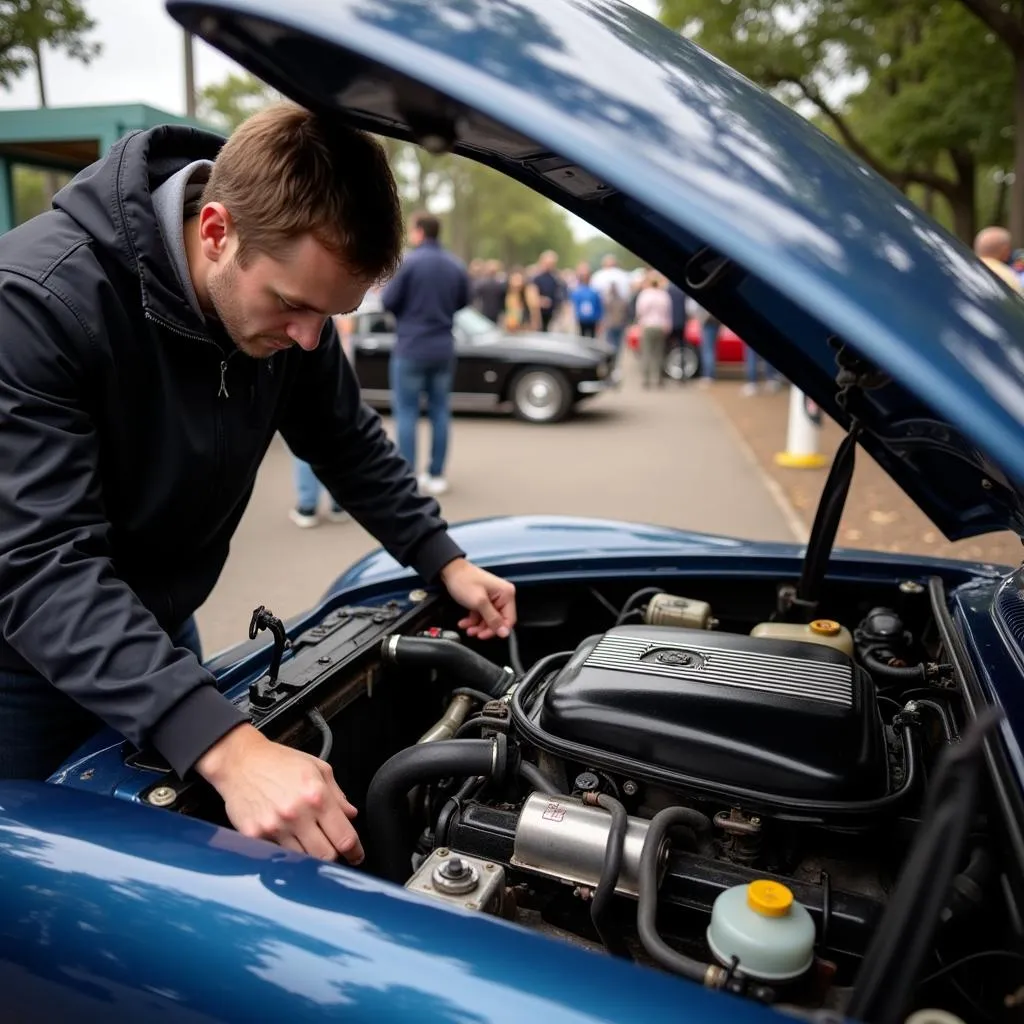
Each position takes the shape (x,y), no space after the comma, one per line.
(540,377)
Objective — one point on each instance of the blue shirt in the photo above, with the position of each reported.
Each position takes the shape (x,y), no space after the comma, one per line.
(431,286)
(587,304)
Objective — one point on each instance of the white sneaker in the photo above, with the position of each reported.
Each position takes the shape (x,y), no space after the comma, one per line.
(303,520)
(338,515)
(748,390)
(436,485)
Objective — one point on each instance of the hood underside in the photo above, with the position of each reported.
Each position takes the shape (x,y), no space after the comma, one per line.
(766,222)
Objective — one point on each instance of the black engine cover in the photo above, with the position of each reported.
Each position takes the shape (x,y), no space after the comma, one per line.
(786,718)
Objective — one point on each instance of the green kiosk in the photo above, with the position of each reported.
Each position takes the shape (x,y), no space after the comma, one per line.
(42,149)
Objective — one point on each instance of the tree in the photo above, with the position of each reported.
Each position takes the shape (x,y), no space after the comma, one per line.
(228,103)
(26,26)
(927,86)
(1005,19)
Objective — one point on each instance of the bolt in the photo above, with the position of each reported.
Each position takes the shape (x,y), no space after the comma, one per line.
(442,853)
(755,822)
(911,587)
(470,906)
(163,796)
(629,787)
(416,596)
(986,485)
(325,660)
(87,775)
(454,867)
(489,867)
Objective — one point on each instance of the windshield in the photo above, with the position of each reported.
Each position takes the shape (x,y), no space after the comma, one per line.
(473,322)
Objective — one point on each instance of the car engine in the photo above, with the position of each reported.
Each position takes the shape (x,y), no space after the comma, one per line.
(733,801)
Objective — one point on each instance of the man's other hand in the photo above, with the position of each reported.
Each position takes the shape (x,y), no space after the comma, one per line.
(273,792)
(490,600)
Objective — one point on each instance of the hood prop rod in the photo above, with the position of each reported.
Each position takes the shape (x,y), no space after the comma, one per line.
(800,602)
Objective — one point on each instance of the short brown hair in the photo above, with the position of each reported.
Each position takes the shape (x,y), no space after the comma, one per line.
(428,224)
(285,173)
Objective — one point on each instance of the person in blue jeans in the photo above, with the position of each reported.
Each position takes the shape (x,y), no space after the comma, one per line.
(431,286)
(307,491)
(772,378)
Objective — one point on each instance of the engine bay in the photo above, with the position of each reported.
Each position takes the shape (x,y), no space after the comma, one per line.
(758,806)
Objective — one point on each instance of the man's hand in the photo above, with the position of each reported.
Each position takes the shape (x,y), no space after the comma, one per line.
(490,601)
(274,792)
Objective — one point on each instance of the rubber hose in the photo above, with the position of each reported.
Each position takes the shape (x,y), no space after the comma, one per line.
(948,728)
(450,659)
(893,673)
(468,691)
(478,723)
(387,825)
(613,852)
(536,778)
(327,737)
(647,909)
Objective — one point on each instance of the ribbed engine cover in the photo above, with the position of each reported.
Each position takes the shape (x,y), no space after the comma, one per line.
(781,717)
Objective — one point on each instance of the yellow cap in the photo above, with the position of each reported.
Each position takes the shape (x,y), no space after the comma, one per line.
(770,899)
(825,627)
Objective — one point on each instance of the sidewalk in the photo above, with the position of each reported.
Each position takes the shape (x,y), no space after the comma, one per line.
(878,516)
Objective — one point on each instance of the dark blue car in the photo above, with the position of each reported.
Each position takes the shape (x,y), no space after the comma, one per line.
(710,780)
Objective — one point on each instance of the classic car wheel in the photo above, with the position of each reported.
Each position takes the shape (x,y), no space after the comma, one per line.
(682,362)
(541,396)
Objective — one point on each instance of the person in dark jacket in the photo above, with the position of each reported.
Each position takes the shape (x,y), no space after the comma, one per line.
(431,286)
(550,287)
(160,325)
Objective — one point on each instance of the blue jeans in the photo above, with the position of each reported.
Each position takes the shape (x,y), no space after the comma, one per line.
(708,348)
(41,727)
(613,335)
(308,488)
(410,379)
(754,362)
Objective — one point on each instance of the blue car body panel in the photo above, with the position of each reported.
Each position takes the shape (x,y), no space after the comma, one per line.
(663,147)
(120,912)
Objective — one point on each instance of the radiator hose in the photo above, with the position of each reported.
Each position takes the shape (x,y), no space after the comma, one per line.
(450,659)
(388,831)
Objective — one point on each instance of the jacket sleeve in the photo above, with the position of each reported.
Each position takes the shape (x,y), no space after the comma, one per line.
(326,424)
(62,606)
(392,298)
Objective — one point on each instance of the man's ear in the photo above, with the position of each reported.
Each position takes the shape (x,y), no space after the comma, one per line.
(215,230)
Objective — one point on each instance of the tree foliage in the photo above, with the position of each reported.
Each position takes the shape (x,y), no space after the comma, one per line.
(228,103)
(26,26)
(920,90)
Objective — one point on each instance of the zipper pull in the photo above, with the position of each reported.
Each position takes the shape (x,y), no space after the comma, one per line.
(223,384)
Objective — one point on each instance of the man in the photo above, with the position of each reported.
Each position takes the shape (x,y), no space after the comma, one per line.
(160,325)
(993,247)
(611,273)
(490,291)
(550,288)
(429,289)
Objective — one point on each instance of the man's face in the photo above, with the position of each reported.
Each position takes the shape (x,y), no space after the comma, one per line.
(274,303)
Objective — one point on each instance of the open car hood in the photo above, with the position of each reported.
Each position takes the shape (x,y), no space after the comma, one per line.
(784,235)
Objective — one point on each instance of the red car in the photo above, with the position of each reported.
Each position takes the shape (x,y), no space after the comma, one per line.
(682,362)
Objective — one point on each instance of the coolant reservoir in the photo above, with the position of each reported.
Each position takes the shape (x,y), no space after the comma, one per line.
(769,933)
(820,631)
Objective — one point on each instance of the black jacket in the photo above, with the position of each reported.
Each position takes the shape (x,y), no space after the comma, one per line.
(124,466)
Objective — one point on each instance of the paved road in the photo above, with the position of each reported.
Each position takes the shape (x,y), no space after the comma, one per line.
(667,457)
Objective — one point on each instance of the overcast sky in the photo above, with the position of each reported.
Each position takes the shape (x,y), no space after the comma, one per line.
(141,61)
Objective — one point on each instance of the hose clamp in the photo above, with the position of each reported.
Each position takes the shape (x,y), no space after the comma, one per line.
(391,647)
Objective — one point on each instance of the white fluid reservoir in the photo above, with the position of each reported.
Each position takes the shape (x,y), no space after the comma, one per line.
(770,934)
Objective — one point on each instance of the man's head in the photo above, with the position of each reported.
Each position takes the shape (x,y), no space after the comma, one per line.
(583,273)
(548,261)
(298,219)
(423,227)
(610,261)
(993,243)
(495,268)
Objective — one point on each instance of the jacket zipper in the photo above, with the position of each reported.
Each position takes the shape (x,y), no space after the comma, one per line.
(222,391)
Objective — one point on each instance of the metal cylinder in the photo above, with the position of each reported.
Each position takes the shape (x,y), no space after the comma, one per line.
(682,612)
(562,838)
